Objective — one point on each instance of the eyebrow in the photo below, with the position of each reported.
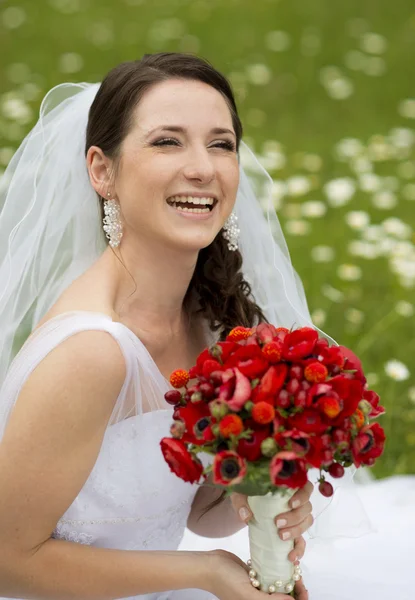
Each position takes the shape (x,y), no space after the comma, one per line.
(179,129)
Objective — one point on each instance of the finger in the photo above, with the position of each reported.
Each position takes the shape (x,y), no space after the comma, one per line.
(302,495)
(296,531)
(301,592)
(241,507)
(293,517)
(298,551)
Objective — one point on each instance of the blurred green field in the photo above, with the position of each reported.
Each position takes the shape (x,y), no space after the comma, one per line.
(327,96)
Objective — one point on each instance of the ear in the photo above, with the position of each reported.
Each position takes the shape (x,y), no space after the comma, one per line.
(99,169)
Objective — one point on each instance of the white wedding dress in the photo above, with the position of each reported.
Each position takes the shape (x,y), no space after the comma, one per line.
(132,501)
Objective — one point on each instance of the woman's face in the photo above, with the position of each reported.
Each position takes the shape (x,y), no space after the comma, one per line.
(178,173)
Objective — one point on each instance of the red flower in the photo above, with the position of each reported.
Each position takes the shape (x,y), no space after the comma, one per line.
(231,425)
(228,468)
(373,399)
(249,360)
(300,343)
(287,469)
(251,448)
(352,362)
(242,392)
(309,420)
(351,392)
(208,435)
(332,356)
(368,444)
(263,413)
(265,332)
(191,414)
(309,447)
(271,383)
(209,366)
(180,460)
(317,453)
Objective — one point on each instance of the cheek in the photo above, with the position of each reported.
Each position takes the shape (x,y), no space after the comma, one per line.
(232,180)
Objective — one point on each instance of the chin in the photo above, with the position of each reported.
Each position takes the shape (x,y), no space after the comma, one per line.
(194,243)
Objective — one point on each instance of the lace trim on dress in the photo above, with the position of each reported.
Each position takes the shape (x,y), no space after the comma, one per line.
(114,521)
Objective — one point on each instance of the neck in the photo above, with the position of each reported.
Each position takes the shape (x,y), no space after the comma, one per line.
(150,287)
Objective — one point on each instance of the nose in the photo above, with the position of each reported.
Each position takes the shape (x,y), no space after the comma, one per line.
(199,166)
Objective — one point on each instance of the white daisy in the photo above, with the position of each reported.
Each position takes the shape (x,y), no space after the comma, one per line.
(395,369)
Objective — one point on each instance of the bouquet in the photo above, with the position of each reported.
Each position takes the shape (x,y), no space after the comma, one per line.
(269,404)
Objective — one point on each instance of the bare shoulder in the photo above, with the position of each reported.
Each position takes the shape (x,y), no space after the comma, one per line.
(88,364)
(54,435)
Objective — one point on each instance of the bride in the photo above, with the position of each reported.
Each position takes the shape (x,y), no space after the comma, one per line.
(130,239)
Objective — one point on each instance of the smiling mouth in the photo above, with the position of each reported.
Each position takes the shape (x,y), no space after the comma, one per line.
(192,204)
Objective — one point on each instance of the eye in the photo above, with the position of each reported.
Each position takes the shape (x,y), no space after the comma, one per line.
(226,145)
(166,142)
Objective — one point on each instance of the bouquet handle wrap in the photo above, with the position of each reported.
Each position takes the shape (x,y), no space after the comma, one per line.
(269,554)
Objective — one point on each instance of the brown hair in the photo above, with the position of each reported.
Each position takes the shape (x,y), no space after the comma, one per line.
(224,296)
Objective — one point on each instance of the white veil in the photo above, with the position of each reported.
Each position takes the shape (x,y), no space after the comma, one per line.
(51,232)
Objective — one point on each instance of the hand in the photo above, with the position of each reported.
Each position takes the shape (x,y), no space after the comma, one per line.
(298,519)
(230,581)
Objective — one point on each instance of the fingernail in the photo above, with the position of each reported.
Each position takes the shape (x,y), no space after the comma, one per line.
(281,523)
(244,513)
(296,504)
(286,535)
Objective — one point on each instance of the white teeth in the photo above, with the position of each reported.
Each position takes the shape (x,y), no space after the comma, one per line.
(191,200)
(192,210)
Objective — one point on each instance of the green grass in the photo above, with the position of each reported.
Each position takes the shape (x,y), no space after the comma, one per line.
(292,108)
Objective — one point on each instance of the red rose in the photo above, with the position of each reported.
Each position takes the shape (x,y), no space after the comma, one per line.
(180,461)
(228,468)
(368,444)
(300,343)
(287,469)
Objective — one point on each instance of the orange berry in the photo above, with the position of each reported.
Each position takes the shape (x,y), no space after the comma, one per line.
(272,352)
(231,425)
(359,418)
(316,372)
(330,406)
(263,413)
(239,333)
(179,378)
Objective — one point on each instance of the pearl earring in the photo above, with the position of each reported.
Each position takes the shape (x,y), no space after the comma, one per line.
(231,232)
(112,222)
